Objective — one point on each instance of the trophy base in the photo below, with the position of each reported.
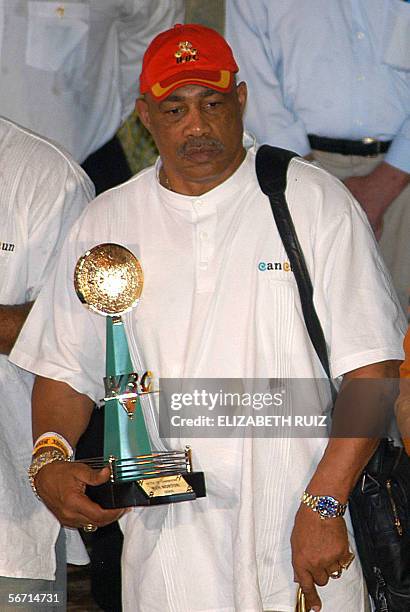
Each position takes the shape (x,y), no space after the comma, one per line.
(163,477)
(149,491)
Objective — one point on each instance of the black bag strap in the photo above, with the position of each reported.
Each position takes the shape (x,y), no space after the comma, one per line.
(271,170)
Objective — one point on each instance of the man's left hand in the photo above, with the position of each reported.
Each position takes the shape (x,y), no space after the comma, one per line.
(376,191)
(319,548)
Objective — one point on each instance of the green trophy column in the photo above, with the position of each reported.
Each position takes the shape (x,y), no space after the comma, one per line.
(124,435)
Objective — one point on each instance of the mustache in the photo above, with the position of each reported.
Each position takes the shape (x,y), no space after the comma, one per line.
(196,143)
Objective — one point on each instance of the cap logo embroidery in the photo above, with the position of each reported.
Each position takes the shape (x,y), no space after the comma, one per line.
(186,53)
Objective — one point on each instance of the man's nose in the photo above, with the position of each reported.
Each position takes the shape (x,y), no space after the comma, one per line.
(197,124)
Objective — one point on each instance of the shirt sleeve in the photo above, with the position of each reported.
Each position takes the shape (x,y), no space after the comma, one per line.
(257,51)
(344,260)
(61,338)
(396,60)
(141,23)
(398,154)
(59,191)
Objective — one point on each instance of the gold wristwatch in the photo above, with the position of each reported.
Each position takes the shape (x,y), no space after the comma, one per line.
(325,505)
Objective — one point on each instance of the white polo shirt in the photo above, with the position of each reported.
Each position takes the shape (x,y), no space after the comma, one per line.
(210,309)
(42,192)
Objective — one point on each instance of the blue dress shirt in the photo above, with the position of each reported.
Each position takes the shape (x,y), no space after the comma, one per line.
(335,68)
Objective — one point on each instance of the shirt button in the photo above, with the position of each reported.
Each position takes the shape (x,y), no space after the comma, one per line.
(203,266)
(360,35)
(203,235)
(360,77)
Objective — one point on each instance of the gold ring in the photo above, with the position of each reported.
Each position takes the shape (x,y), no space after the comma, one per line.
(89,528)
(346,564)
(336,575)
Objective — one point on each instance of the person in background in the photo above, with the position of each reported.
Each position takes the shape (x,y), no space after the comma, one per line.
(331,81)
(200,226)
(67,71)
(42,192)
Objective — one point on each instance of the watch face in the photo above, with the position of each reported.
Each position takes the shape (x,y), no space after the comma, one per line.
(327,506)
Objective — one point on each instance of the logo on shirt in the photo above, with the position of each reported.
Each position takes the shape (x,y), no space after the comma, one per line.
(276,266)
(7,246)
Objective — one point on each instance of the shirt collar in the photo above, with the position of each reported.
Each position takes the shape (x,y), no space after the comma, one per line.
(221,195)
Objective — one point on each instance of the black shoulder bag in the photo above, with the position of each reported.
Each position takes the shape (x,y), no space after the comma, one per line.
(380,502)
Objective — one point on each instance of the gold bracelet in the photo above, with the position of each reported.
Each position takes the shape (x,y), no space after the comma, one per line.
(40,461)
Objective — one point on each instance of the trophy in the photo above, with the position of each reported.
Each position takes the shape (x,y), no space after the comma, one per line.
(108,279)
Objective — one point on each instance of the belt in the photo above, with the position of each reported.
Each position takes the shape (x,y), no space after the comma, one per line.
(367,147)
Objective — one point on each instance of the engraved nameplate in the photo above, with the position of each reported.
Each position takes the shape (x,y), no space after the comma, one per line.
(165,485)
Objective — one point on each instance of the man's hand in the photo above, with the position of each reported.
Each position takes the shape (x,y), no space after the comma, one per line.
(376,191)
(61,486)
(319,547)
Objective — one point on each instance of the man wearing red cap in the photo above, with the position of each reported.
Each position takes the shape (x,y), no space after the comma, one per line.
(220,301)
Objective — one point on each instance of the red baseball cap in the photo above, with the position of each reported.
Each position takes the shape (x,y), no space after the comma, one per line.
(187,54)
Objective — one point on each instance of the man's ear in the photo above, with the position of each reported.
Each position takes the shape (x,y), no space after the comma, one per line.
(143,112)
(242,93)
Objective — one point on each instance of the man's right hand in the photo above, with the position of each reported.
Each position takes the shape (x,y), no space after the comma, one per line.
(377,190)
(61,486)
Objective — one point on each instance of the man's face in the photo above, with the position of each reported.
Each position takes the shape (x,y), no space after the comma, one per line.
(198,132)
